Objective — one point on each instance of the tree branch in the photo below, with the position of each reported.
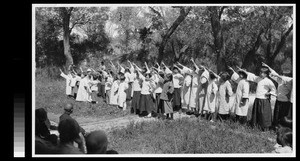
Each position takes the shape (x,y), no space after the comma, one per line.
(160,16)
(282,41)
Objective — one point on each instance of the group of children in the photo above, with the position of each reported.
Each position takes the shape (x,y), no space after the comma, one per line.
(159,91)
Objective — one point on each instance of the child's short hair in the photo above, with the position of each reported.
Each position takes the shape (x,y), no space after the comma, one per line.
(169,77)
(284,136)
(212,76)
(225,76)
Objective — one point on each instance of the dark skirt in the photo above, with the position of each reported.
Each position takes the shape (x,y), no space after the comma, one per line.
(281,110)
(157,102)
(101,90)
(222,117)
(177,98)
(146,103)
(261,113)
(160,107)
(128,91)
(136,100)
(241,119)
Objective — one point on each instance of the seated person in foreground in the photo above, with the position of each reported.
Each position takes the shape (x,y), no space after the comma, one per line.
(96,143)
(69,132)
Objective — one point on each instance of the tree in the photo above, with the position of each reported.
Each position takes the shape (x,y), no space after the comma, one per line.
(65,13)
(184,11)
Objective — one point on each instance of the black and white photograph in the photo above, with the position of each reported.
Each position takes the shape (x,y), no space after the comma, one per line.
(163,80)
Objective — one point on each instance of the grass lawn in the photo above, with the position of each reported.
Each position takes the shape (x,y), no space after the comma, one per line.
(189,136)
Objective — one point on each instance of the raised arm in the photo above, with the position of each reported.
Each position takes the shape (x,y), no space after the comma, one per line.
(63,74)
(131,67)
(148,70)
(138,69)
(140,74)
(112,64)
(180,70)
(250,76)
(195,65)
(235,77)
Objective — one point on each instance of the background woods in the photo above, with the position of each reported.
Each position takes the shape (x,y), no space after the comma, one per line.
(215,36)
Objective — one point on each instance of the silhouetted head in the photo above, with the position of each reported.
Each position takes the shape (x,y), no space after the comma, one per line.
(284,136)
(69,108)
(96,142)
(41,114)
(68,130)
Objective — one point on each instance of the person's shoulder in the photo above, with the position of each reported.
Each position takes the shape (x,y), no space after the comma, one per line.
(68,149)
(111,152)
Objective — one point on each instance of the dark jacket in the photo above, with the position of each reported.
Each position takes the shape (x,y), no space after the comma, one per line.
(67,116)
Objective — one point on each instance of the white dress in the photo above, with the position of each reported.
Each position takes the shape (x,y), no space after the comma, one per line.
(83,90)
(186,92)
(242,91)
(211,95)
(194,91)
(114,93)
(202,91)
(223,100)
(122,94)
(68,83)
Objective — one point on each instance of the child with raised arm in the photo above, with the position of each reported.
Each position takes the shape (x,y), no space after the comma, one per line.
(194,96)
(68,82)
(225,92)
(166,96)
(282,104)
(186,88)
(108,83)
(84,90)
(123,86)
(210,104)
(241,100)
(146,102)
(262,112)
(113,99)
(159,82)
(177,81)
(203,83)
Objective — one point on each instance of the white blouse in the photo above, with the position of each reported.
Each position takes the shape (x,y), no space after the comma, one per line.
(263,85)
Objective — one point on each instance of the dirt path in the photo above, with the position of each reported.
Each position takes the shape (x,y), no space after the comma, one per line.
(91,124)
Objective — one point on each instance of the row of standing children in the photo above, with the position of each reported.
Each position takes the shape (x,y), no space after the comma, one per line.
(196,90)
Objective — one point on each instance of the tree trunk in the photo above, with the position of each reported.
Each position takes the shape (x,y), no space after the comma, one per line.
(250,56)
(171,30)
(215,16)
(66,14)
(279,47)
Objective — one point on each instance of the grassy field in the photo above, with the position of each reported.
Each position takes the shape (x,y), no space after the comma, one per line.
(190,136)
